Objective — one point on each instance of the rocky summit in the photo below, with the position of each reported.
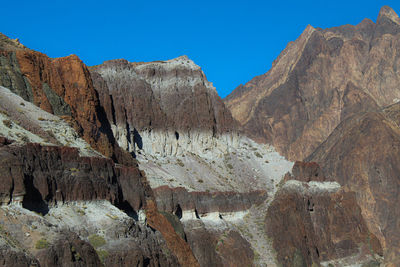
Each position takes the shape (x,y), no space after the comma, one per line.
(143,164)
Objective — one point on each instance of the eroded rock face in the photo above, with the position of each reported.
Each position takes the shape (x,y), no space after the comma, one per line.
(363,155)
(44,178)
(61,86)
(169,199)
(69,250)
(319,80)
(34,174)
(156,106)
(316,222)
(218,247)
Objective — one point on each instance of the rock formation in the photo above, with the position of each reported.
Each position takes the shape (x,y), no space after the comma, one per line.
(362,154)
(316,222)
(152,106)
(142,164)
(61,86)
(319,80)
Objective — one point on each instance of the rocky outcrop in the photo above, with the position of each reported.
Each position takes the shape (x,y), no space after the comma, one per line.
(41,177)
(318,222)
(319,80)
(216,247)
(9,257)
(175,243)
(64,177)
(160,106)
(178,200)
(69,250)
(362,154)
(61,86)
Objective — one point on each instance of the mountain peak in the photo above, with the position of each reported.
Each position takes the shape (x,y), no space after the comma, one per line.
(388,12)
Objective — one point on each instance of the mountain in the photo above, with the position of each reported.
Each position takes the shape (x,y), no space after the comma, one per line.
(143,164)
(362,154)
(318,81)
(331,97)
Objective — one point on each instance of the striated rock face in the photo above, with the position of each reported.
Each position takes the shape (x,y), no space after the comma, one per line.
(61,86)
(175,200)
(65,251)
(362,154)
(161,107)
(319,80)
(47,179)
(218,247)
(311,223)
(64,177)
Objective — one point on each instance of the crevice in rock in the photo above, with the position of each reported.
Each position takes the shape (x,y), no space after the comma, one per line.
(33,200)
(178,212)
(137,139)
(197,214)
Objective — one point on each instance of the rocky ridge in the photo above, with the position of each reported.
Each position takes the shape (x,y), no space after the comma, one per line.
(369,170)
(223,198)
(319,80)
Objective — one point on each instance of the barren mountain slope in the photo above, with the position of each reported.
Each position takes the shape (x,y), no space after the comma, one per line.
(319,80)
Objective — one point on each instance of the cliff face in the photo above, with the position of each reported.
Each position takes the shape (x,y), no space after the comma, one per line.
(362,154)
(61,86)
(161,102)
(319,80)
(311,224)
(68,191)
(41,176)
(73,195)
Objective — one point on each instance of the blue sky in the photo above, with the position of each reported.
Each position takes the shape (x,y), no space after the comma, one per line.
(232,41)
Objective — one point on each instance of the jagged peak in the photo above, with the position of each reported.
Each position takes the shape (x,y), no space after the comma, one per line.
(388,12)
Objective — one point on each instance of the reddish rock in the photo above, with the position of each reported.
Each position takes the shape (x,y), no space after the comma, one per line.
(174,242)
(69,78)
(62,86)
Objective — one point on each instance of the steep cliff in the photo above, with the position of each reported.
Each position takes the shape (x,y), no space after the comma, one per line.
(362,154)
(61,86)
(76,188)
(153,105)
(319,80)
(200,166)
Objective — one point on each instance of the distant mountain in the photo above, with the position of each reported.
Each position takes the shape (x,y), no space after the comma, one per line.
(319,80)
(143,164)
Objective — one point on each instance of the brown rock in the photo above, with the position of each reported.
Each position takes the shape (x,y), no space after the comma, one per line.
(174,242)
(362,154)
(137,97)
(320,79)
(308,228)
(69,250)
(168,199)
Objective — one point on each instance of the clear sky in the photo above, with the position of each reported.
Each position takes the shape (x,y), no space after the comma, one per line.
(232,41)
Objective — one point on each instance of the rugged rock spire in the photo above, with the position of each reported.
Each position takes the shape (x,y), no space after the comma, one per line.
(387,12)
